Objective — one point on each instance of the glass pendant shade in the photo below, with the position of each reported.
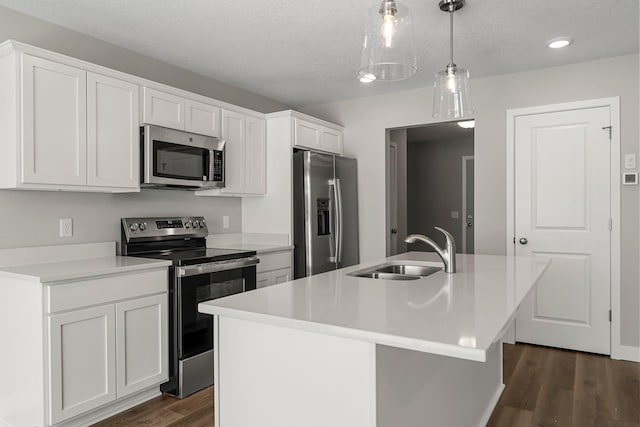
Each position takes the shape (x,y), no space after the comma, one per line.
(452,94)
(388,51)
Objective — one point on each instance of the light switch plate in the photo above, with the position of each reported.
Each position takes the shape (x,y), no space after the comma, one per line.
(630,161)
(455,214)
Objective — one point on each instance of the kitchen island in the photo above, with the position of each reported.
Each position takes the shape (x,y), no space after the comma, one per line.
(338,350)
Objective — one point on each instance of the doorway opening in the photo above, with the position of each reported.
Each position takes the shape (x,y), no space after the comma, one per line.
(430,182)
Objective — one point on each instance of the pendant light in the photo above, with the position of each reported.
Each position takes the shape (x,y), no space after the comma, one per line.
(388,50)
(451,92)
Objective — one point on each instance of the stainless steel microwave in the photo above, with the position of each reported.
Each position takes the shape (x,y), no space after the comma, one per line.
(176,159)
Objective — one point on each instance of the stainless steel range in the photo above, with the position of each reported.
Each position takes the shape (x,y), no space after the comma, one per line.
(198,274)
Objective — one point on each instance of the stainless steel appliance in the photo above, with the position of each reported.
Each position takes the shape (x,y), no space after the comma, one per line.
(175,159)
(197,274)
(325,212)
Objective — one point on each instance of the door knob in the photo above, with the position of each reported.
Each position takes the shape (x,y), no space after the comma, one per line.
(394,231)
(523,241)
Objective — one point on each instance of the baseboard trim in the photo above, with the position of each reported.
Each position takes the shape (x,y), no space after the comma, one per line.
(626,352)
(113,408)
(491,407)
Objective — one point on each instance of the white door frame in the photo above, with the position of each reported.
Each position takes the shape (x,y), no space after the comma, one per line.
(393,198)
(617,350)
(465,159)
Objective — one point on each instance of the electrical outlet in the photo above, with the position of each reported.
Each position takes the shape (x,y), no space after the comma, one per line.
(630,161)
(225,221)
(66,227)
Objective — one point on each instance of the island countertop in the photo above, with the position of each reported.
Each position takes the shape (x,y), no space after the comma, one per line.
(458,315)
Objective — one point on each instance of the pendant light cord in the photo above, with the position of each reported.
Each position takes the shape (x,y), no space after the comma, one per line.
(451,9)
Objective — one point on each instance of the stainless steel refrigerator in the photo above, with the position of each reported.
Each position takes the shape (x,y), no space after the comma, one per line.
(325,212)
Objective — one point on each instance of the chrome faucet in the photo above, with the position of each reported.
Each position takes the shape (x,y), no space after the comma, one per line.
(447,254)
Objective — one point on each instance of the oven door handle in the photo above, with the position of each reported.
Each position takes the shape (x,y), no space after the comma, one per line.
(214,267)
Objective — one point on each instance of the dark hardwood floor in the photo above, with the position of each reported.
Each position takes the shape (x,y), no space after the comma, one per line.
(552,387)
(544,387)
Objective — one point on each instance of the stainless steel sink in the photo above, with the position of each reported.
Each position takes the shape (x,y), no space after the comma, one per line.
(387,276)
(415,270)
(393,271)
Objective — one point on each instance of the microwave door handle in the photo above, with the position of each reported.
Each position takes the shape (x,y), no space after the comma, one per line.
(210,165)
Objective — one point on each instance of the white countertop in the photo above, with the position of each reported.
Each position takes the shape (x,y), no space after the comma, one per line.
(77,269)
(458,315)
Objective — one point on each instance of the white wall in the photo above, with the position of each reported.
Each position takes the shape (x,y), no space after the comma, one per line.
(435,188)
(366,119)
(30,218)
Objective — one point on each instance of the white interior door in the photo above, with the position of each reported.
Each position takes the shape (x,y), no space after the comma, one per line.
(562,212)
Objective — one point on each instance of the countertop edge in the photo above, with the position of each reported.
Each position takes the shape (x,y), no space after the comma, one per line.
(475,354)
(101,271)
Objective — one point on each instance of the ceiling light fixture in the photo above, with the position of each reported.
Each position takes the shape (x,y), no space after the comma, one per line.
(451,92)
(388,51)
(467,124)
(559,42)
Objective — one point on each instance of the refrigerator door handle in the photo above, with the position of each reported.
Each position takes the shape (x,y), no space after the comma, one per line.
(336,228)
(340,219)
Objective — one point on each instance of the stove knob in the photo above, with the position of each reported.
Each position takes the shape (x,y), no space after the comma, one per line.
(188,224)
(143,226)
(134,226)
(195,224)
(202,223)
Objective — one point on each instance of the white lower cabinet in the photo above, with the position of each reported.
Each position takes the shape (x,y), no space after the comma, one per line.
(274,268)
(103,353)
(82,355)
(141,343)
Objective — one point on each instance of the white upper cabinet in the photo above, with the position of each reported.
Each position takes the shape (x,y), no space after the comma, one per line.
(113,134)
(163,109)
(255,156)
(233,132)
(245,156)
(201,118)
(175,112)
(309,133)
(54,129)
(66,128)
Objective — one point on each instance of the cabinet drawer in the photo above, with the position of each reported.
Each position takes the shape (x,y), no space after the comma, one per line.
(274,261)
(67,296)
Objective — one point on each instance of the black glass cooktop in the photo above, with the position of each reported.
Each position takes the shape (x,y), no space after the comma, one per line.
(180,257)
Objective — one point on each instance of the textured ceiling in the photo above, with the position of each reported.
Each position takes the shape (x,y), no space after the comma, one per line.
(305,52)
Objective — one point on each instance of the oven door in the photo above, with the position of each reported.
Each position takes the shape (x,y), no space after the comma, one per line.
(195,330)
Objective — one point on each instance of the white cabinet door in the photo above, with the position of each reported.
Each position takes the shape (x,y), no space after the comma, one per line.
(255,156)
(331,140)
(163,109)
(82,361)
(54,123)
(264,280)
(233,132)
(141,343)
(281,276)
(203,119)
(306,134)
(113,145)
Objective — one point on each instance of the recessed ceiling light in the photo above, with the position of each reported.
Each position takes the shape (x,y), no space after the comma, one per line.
(367,78)
(559,42)
(467,124)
